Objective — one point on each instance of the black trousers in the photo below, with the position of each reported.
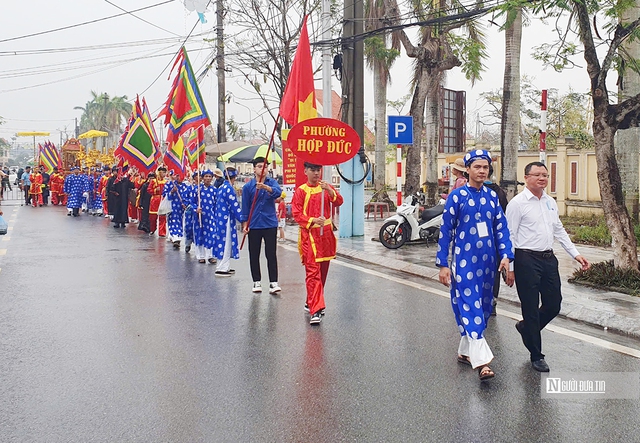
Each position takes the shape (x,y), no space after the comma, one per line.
(537,280)
(256,236)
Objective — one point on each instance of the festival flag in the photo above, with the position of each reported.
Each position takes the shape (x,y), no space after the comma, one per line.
(184,108)
(48,156)
(139,144)
(194,147)
(174,158)
(299,100)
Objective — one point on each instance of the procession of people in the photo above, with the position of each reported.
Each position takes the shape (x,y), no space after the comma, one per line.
(202,212)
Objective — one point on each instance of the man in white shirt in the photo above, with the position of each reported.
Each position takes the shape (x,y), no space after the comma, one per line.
(532,217)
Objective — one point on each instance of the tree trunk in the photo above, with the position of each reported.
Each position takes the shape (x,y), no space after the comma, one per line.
(510,124)
(380,104)
(414,157)
(627,141)
(625,251)
(432,124)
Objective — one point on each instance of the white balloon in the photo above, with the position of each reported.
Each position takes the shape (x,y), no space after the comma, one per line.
(201,5)
(190,5)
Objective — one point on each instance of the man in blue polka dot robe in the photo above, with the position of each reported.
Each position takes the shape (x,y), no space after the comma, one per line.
(474,222)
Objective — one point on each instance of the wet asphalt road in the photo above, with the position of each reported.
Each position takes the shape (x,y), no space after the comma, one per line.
(108,335)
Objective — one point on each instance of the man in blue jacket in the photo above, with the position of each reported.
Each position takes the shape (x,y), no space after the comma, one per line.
(261,223)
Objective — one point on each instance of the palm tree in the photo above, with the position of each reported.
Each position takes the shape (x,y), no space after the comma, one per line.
(105,114)
(438,51)
(379,58)
(510,123)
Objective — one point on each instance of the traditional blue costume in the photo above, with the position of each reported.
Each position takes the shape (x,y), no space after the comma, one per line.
(73,186)
(175,217)
(204,226)
(228,213)
(190,199)
(474,221)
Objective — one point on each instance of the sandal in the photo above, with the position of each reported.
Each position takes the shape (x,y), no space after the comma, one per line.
(464,360)
(201,260)
(212,261)
(485,373)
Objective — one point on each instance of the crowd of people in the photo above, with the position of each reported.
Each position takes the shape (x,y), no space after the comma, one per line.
(202,213)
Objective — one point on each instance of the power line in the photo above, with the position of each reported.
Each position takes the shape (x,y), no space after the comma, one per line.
(84,23)
(141,19)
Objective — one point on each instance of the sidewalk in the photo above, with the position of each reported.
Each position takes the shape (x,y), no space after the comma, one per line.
(618,312)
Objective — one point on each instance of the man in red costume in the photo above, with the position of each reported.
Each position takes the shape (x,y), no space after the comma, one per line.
(156,186)
(102,189)
(316,247)
(56,183)
(36,188)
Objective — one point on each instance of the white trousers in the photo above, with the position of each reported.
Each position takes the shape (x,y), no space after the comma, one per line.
(203,253)
(225,263)
(477,349)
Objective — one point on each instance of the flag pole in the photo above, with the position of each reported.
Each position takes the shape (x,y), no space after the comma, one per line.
(264,171)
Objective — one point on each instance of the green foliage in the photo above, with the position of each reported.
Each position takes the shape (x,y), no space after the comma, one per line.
(605,275)
(593,235)
(471,52)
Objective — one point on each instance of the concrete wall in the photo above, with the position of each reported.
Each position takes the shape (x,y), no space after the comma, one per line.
(578,196)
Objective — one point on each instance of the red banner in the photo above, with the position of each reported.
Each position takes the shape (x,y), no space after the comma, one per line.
(323,141)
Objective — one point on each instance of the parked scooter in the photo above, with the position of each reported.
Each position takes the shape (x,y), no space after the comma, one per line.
(408,224)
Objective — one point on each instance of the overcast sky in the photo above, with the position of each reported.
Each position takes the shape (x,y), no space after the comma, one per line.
(38,90)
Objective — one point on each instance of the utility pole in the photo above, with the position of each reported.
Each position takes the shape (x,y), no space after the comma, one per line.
(352,211)
(222,131)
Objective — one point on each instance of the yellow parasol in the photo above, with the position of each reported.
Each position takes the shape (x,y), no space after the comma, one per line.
(33,134)
(92,133)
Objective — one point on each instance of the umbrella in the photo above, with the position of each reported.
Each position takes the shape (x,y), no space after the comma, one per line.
(246,154)
(218,149)
(93,133)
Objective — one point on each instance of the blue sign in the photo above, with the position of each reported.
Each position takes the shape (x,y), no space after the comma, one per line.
(400,129)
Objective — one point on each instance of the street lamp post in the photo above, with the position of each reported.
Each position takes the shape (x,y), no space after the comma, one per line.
(105,98)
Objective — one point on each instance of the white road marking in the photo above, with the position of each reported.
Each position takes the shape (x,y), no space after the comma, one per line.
(6,238)
(557,329)
(3,252)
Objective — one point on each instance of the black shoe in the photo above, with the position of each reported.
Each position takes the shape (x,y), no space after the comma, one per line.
(232,271)
(315,318)
(116,226)
(68,214)
(540,365)
(176,245)
(223,274)
(187,248)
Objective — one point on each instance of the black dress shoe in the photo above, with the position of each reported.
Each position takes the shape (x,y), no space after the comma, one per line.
(540,365)
(521,332)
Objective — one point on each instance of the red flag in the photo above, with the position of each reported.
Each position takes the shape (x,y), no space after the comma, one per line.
(299,100)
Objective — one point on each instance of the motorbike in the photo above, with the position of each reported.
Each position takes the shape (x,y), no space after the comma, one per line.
(408,224)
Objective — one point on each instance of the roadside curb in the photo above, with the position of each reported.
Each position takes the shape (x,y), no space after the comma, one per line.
(615,312)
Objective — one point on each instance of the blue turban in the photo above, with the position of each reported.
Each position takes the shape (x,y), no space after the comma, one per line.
(207,171)
(230,173)
(478,154)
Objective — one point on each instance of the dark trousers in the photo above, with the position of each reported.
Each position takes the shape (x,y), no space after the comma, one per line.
(27,194)
(269,236)
(537,279)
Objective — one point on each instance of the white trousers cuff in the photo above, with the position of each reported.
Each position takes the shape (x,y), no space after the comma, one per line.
(477,349)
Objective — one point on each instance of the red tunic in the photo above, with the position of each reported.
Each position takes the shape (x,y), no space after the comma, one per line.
(56,183)
(156,186)
(305,206)
(36,183)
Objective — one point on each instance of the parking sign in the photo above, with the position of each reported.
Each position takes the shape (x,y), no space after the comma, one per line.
(400,129)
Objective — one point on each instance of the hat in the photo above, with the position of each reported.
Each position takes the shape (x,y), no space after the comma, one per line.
(478,154)
(257,161)
(194,174)
(162,168)
(114,169)
(106,168)
(230,173)
(207,171)
(283,195)
(218,173)
(151,174)
(458,165)
(311,165)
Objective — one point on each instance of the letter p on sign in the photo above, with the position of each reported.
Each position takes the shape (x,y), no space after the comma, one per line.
(400,130)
